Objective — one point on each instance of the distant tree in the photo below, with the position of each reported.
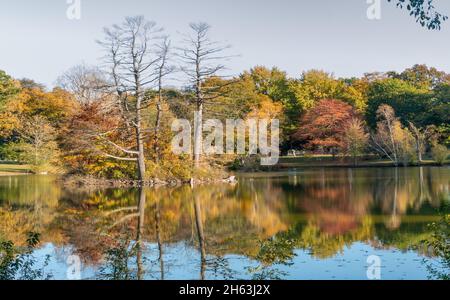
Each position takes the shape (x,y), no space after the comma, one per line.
(238,97)
(391,139)
(440,153)
(275,84)
(422,76)
(31,84)
(438,113)
(423,11)
(444,134)
(202,59)
(8,87)
(409,102)
(56,107)
(420,137)
(86,83)
(163,68)
(38,147)
(270,82)
(266,109)
(324,125)
(355,139)
(315,85)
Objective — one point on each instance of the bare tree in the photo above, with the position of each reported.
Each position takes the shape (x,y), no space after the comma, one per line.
(384,141)
(420,138)
(87,83)
(201,59)
(163,69)
(131,55)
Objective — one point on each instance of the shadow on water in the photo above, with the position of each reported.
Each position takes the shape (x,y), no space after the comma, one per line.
(301,225)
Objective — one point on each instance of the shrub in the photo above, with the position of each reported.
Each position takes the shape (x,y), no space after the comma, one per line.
(439,153)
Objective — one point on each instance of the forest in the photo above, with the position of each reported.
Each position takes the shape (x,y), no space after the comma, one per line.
(114,120)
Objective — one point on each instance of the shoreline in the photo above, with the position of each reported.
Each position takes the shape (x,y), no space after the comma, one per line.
(131,183)
(80,181)
(366,164)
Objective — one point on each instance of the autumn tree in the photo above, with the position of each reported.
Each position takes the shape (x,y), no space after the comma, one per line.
(355,139)
(439,153)
(323,126)
(273,82)
(8,88)
(83,145)
(391,139)
(54,107)
(237,98)
(38,146)
(315,85)
(422,76)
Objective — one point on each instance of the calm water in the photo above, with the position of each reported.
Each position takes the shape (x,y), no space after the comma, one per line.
(305,224)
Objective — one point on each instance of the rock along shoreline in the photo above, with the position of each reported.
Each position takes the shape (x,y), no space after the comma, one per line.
(129,183)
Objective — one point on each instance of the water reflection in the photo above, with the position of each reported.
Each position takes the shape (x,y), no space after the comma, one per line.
(279,225)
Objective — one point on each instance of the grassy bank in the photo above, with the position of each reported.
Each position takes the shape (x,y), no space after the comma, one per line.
(7,169)
(330,161)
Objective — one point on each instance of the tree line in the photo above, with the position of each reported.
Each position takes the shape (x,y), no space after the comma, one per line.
(114,120)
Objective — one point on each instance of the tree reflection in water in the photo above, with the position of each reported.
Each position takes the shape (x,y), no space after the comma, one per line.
(266,218)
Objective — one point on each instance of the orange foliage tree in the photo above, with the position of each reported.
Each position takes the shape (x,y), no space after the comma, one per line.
(323,127)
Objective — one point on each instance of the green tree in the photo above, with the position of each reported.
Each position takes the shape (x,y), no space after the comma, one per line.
(422,76)
(409,102)
(315,85)
(275,84)
(8,87)
(439,153)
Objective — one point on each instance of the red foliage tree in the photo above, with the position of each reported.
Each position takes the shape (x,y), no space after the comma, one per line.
(323,126)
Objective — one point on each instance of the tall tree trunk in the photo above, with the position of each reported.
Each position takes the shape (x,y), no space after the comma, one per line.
(139,133)
(200,233)
(141,156)
(421,185)
(198,124)
(157,127)
(140,230)
(418,149)
(159,239)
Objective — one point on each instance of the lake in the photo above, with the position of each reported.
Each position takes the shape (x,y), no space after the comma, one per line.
(301,224)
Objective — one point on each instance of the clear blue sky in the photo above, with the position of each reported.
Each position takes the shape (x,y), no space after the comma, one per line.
(37,41)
